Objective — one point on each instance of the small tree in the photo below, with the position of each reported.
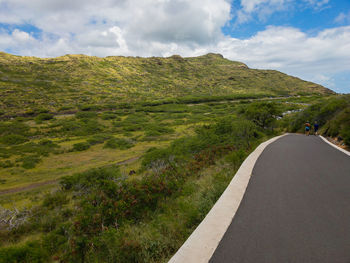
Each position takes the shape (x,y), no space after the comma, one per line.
(262,114)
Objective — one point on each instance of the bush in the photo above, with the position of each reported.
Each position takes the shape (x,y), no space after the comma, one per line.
(30,161)
(90,107)
(345,132)
(157,130)
(109,116)
(43,117)
(81,146)
(80,128)
(155,156)
(18,128)
(42,148)
(12,139)
(99,138)
(116,143)
(6,164)
(55,199)
(226,132)
(27,253)
(65,108)
(85,114)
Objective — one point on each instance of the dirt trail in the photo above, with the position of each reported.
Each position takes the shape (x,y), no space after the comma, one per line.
(36,185)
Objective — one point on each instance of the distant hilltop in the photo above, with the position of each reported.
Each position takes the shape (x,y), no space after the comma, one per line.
(80,79)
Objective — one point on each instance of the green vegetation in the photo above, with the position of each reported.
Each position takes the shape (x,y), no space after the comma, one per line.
(96,214)
(43,117)
(81,146)
(118,159)
(31,86)
(115,143)
(262,114)
(332,114)
(11,139)
(109,214)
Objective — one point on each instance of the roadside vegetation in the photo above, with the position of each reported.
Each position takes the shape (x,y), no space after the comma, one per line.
(332,114)
(137,212)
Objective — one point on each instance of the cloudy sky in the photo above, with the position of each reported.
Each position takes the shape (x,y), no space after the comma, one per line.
(309,39)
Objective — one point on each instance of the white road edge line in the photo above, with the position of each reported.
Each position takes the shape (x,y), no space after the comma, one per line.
(335,146)
(201,244)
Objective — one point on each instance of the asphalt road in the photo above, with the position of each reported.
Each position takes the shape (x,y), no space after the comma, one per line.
(296,207)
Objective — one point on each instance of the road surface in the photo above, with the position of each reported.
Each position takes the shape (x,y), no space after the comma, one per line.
(296,207)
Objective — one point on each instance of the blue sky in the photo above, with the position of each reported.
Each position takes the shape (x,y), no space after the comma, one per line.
(305,17)
(309,39)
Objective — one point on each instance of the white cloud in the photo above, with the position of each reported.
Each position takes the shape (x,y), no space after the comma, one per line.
(342,18)
(291,50)
(167,27)
(196,21)
(21,36)
(325,80)
(317,4)
(252,5)
(261,9)
(129,27)
(294,52)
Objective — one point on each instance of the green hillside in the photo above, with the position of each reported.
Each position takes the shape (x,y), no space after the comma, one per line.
(114,160)
(30,84)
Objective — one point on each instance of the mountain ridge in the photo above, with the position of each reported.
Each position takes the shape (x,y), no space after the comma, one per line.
(27,83)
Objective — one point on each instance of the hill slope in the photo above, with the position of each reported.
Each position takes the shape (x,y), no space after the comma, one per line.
(27,83)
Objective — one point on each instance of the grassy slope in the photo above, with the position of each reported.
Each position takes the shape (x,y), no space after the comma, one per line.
(332,114)
(29,83)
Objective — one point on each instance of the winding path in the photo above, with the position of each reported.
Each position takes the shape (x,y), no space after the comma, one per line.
(296,207)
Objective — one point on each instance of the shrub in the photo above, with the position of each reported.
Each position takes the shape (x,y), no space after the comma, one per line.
(156,130)
(12,139)
(345,132)
(6,164)
(154,157)
(55,199)
(90,107)
(99,138)
(65,108)
(47,142)
(18,128)
(29,161)
(42,148)
(81,146)
(29,252)
(80,128)
(225,132)
(85,114)
(43,117)
(41,110)
(116,143)
(109,116)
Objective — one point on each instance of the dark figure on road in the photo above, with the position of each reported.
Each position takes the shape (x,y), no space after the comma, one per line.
(307,128)
(316,127)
